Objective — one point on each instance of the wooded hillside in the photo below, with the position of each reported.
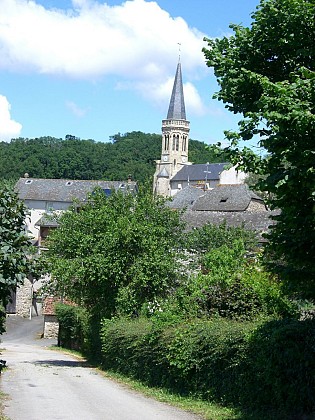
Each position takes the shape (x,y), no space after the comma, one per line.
(131,153)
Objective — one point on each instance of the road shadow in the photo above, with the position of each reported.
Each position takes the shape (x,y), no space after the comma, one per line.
(62,363)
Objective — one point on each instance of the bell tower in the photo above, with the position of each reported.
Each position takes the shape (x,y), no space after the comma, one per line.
(175,137)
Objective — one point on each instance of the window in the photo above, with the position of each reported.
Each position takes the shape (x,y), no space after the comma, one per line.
(167,142)
(49,206)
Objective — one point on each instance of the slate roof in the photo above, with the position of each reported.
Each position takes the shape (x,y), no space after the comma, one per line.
(47,220)
(200,172)
(259,222)
(65,190)
(176,110)
(163,174)
(227,198)
(186,197)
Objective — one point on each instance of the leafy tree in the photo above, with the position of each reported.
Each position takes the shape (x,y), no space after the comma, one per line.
(116,253)
(15,246)
(266,73)
(132,154)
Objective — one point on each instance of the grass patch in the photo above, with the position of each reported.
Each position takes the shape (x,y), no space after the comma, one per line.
(3,398)
(205,409)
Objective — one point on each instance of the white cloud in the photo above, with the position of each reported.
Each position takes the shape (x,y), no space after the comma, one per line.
(75,109)
(8,127)
(135,41)
(161,93)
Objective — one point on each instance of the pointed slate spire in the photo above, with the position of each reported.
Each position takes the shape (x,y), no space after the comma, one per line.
(176,110)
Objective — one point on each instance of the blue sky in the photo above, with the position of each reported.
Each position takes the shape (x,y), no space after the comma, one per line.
(93,68)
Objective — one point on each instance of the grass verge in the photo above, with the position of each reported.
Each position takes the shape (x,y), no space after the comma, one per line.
(207,410)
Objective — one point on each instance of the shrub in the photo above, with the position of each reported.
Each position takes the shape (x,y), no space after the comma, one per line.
(259,367)
(134,348)
(233,286)
(73,326)
(209,237)
(279,372)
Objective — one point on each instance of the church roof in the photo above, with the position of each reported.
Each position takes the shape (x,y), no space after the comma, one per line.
(176,110)
(200,172)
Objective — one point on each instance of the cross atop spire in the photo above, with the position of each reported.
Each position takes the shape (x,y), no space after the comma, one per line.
(176,110)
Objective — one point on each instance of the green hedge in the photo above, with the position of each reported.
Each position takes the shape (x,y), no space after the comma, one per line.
(269,367)
(73,326)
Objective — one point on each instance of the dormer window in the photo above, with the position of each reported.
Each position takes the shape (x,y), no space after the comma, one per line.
(68,183)
(28,181)
(223,200)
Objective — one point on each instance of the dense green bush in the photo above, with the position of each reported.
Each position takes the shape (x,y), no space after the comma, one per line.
(135,348)
(232,285)
(280,367)
(73,326)
(267,367)
(210,237)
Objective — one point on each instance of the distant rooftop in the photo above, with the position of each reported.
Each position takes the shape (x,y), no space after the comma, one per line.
(66,190)
(259,222)
(185,198)
(226,198)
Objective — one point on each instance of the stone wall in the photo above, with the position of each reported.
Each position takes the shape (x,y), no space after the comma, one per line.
(24,299)
(51,326)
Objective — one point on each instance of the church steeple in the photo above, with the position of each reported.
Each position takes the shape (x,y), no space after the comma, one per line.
(175,136)
(176,110)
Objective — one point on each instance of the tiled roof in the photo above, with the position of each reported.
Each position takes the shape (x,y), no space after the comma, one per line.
(49,305)
(51,301)
(200,172)
(176,110)
(226,198)
(65,190)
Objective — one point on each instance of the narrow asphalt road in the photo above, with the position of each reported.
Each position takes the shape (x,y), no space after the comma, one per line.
(41,383)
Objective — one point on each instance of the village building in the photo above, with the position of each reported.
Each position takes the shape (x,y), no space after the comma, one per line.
(209,193)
